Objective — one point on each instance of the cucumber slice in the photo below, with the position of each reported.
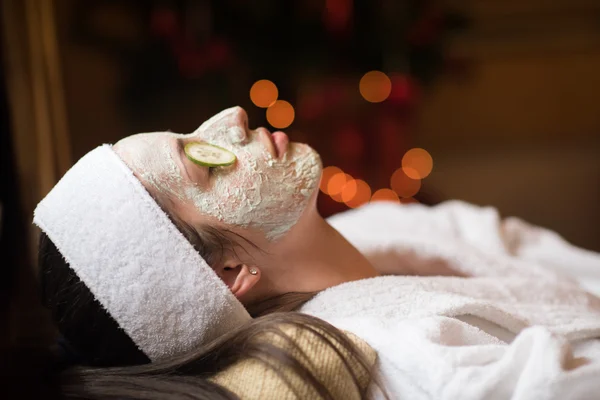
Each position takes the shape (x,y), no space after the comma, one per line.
(208,155)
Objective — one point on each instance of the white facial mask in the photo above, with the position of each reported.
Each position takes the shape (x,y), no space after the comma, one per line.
(258,191)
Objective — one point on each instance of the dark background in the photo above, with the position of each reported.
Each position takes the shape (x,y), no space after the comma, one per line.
(502,94)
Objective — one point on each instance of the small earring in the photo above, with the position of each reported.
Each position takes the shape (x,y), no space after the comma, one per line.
(253,271)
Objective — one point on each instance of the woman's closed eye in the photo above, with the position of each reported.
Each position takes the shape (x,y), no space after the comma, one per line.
(193,172)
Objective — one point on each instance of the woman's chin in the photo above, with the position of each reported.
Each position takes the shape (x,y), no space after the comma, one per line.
(303,150)
(296,149)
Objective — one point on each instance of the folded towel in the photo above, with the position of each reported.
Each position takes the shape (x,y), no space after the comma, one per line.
(462,239)
(427,352)
(513,303)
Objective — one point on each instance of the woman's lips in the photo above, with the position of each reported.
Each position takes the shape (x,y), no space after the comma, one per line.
(281,141)
(276,143)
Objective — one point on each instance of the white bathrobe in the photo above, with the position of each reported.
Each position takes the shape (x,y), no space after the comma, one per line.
(485,308)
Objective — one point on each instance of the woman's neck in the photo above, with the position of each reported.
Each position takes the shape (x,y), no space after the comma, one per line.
(320,258)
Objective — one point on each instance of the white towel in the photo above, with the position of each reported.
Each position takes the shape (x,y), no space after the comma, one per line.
(509,322)
(457,238)
(134,260)
(426,352)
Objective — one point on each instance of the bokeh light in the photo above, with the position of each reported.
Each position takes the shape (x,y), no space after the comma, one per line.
(327,174)
(375,86)
(336,184)
(362,194)
(409,200)
(403,184)
(349,190)
(385,195)
(417,163)
(280,114)
(263,93)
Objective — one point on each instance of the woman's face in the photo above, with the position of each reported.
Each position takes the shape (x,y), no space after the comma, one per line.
(267,189)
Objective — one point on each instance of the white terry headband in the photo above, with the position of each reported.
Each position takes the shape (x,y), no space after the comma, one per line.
(127,251)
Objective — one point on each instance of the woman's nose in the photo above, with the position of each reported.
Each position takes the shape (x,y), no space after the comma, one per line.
(233,120)
(239,114)
(238,118)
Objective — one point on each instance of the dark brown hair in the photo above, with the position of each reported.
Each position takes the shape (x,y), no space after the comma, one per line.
(115,367)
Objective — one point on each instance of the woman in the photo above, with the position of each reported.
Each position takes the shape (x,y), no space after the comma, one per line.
(126,287)
(256,227)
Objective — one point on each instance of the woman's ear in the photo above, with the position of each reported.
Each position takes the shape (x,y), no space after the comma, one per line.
(240,278)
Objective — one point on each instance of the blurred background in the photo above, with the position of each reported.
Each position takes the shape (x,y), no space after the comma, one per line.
(495,102)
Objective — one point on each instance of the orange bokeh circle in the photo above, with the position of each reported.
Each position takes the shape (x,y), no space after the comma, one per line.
(375,86)
(280,114)
(263,93)
(336,183)
(385,195)
(403,184)
(349,190)
(417,163)
(326,175)
(362,194)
